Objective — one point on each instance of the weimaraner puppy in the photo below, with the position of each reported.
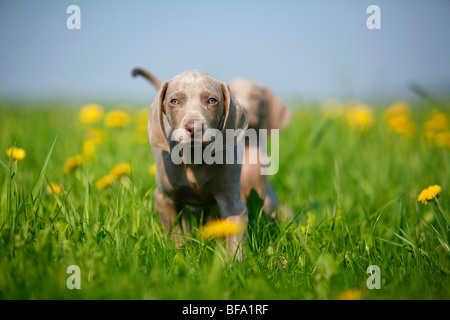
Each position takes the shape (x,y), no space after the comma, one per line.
(264,110)
(194,96)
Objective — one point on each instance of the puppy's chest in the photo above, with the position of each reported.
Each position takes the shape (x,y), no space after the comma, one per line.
(192,180)
(192,187)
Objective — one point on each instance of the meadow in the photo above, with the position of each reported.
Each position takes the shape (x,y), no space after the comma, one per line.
(78,190)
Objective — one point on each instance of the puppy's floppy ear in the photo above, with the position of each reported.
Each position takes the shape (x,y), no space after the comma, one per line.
(156,130)
(277,115)
(234,115)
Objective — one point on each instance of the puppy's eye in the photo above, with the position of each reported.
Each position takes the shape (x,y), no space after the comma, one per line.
(174,101)
(212,100)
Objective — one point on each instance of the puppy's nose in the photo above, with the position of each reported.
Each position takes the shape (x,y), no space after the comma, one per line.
(193,126)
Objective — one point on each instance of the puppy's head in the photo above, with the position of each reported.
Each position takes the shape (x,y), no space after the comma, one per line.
(264,110)
(190,104)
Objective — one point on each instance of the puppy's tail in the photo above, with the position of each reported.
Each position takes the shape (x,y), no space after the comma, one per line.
(148,76)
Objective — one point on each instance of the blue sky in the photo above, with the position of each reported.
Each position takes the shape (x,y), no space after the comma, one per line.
(309,49)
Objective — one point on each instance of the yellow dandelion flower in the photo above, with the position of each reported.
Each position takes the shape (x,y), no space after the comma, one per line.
(429,193)
(16,154)
(360,116)
(91,113)
(104,182)
(152,170)
(117,118)
(436,124)
(121,169)
(399,108)
(88,149)
(54,188)
(72,163)
(95,135)
(401,124)
(437,121)
(219,228)
(398,120)
(442,139)
(352,294)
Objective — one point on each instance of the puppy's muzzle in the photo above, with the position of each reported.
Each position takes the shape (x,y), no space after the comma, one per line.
(195,128)
(191,132)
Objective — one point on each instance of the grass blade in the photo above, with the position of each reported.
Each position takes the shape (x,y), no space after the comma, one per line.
(37,185)
(4,165)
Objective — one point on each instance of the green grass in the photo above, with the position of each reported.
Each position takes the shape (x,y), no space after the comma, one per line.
(354,196)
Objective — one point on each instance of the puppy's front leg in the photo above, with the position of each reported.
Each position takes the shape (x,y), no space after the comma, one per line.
(236,241)
(235,211)
(168,213)
(270,199)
